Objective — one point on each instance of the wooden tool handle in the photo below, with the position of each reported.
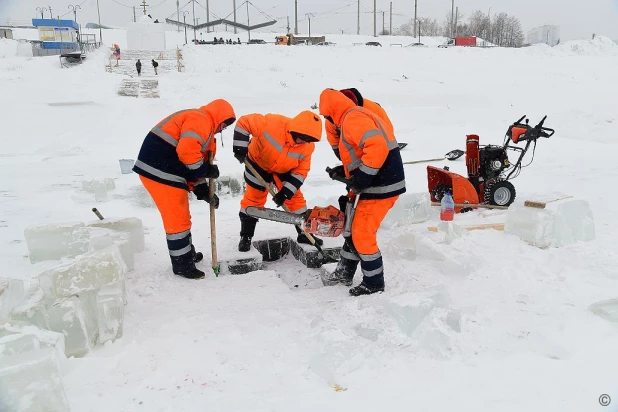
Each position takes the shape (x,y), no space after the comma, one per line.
(213,230)
(96,212)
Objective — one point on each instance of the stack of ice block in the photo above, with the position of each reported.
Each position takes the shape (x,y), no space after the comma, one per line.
(30,368)
(68,240)
(99,188)
(84,300)
(410,208)
(562,225)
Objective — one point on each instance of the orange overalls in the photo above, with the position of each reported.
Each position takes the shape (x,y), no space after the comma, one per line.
(271,150)
(172,161)
(371,159)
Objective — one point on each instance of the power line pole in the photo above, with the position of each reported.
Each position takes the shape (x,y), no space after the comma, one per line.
(50,13)
(134,16)
(248,25)
(296,17)
(184,20)
(208,16)
(235,28)
(177,13)
(415,15)
(288,26)
(100,31)
(194,32)
(309,16)
(390,27)
(456,19)
(453,18)
(358,18)
(383,25)
(374,19)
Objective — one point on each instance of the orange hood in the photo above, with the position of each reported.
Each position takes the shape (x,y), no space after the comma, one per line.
(335,104)
(219,111)
(307,123)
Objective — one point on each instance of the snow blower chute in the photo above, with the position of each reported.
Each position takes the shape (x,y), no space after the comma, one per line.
(489,168)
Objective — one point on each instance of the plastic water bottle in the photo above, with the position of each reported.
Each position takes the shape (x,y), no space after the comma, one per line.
(447,207)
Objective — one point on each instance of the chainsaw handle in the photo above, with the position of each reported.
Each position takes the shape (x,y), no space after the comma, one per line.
(337,177)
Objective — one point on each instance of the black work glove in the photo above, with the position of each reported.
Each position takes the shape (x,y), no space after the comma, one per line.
(202,192)
(343,201)
(279,199)
(212,173)
(214,201)
(354,185)
(240,156)
(337,171)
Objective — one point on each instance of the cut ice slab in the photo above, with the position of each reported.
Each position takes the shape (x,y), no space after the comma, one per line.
(32,308)
(18,337)
(89,272)
(110,312)
(568,223)
(31,381)
(410,208)
(11,293)
(132,225)
(50,242)
(101,238)
(74,318)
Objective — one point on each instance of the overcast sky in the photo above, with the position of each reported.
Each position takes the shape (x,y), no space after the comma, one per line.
(576,18)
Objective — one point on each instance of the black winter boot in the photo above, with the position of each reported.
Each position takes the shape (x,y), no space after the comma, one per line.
(346,267)
(197,256)
(247,230)
(368,286)
(185,266)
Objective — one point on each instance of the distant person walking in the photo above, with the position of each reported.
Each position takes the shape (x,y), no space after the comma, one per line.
(155,65)
(138,66)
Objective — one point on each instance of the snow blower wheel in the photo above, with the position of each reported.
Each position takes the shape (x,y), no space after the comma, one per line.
(499,193)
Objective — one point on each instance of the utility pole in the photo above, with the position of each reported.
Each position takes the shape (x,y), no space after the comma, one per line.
(452,18)
(74,9)
(177,13)
(288,26)
(208,16)
(235,29)
(383,26)
(101,31)
(456,20)
(374,19)
(50,13)
(309,16)
(415,10)
(134,16)
(296,17)
(248,25)
(194,31)
(358,18)
(390,27)
(41,9)
(184,19)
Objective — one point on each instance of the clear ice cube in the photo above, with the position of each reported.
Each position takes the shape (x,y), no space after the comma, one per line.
(74,318)
(11,293)
(31,381)
(50,242)
(574,223)
(32,308)
(132,225)
(110,312)
(410,208)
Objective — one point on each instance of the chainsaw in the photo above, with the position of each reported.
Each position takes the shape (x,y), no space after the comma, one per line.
(320,221)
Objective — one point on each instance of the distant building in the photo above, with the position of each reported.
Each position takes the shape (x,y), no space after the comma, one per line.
(549,35)
(6,33)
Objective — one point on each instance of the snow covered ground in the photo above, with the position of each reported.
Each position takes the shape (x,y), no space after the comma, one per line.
(486,323)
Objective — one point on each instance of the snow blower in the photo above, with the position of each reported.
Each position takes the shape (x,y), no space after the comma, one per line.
(489,168)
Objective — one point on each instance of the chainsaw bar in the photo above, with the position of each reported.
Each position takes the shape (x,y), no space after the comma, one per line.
(275,215)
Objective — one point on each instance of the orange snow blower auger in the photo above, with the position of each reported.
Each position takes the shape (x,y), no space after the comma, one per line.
(489,168)
(321,221)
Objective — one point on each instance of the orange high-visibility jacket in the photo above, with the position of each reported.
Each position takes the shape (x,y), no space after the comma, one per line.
(332,132)
(177,149)
(272,148)
(369,150)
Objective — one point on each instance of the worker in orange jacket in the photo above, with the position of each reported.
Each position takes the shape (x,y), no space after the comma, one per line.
(280,150)
(374,169)
(333,132)
(174,160)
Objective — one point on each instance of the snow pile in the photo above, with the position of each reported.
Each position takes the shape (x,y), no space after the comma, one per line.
(599,46)
(8,48)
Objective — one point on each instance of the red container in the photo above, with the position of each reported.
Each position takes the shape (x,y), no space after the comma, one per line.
(465,41)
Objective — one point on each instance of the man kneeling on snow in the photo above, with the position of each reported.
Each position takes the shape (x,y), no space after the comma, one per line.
(280,151)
